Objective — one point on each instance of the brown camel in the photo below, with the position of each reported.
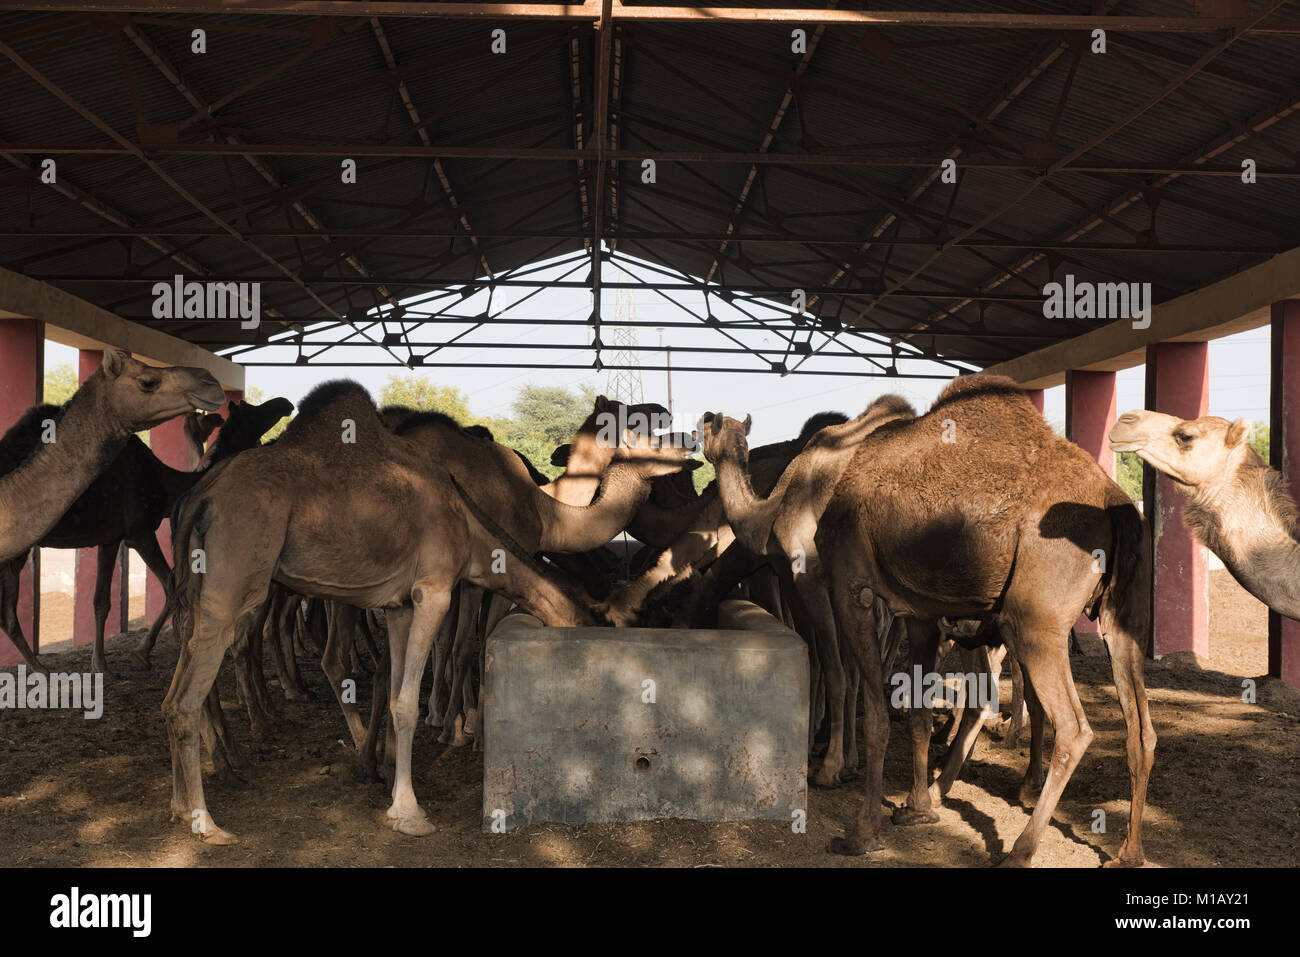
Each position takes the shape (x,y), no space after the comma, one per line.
(1237,506)
(128,501)
(342,508)
(978,510)
(122,397)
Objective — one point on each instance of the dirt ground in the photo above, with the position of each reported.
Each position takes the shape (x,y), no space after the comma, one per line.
(1225,790)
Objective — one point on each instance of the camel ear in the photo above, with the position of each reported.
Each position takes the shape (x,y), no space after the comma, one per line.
(1237,432)
(603,404)
(114,363)
(749,420)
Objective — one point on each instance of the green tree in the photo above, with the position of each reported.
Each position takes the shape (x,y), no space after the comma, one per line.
(542,418)
(421,394)
(60,384)
(1260,437)
(1128,474)
(703,475)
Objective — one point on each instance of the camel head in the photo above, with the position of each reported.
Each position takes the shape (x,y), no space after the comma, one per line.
(1193,452)
(246,425)
(140,397)
(200,425)
(720,437)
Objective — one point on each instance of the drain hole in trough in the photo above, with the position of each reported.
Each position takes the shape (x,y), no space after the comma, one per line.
(642,764)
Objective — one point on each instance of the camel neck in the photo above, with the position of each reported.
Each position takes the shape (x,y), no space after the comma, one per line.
(580,480)
(569,528)
(34,496)
(1248,523)
(750,517)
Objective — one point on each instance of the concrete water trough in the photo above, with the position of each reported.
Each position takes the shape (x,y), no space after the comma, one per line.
(585,725)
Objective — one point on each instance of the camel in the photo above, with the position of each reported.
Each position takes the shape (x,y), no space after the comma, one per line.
(344,509)
(1237,506)
(127,502)
(978,510)
(91,507)
(784,525)
(123,396)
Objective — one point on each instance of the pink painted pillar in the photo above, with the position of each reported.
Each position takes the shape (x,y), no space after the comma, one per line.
(83,596)
(1284,454)
(1177,383)
(167,442)
(22,385)
(1090,413)
(1036,397)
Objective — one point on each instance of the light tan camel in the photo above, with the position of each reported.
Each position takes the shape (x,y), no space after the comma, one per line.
(342,508)
(978,510)
(1237,506)
(784,524)
(122,397)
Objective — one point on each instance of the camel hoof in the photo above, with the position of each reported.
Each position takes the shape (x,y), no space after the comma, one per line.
(1120,862)
(909,817)
(824,778)
(853,846)
(416,825)
(101,667)
(849,774)
(218,837)
(141,661)
(1011,860)
(365,774)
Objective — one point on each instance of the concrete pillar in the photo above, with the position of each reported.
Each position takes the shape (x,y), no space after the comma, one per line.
(22,385)
(1284,454)
(83,596)
(168,443)
(1090,413)
(1177,383)
(1036,396)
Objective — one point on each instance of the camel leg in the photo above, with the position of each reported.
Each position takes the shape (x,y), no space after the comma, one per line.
(291,683)
(856,625)
(817,605)
(1033,781)
(10,573)
(154,560)
(338,646)
(989,661)
(1011,739)
(923,651)
(853,681)
(1127,660)
(367,765)
(431,601)
(462,654)
(439,694)
(200,660)
(245,652)
(1041,646)
(105,559)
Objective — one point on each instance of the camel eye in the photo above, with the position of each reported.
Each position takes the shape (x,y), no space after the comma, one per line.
(1184,439)
(150,385)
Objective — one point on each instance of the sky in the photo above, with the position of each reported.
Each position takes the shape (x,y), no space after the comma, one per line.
(779,405)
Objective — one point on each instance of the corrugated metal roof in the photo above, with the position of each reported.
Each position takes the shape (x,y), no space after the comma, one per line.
(898,93)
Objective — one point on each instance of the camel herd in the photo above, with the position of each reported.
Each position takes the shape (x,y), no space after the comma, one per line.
(382,538)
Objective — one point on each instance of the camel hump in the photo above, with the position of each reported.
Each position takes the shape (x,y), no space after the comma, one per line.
(982,383)
(331,393)
(891,404)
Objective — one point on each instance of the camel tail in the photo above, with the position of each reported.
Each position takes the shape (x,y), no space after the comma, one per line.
(188,529)
(1126,601)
